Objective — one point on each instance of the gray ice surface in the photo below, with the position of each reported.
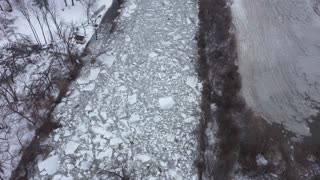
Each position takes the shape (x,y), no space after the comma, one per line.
(135,109)
(279,59)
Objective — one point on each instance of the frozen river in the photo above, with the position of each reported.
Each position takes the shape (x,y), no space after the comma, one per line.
(133,111)
(279,59)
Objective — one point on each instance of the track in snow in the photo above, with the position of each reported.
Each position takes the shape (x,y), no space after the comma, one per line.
(279,59)
(135,109)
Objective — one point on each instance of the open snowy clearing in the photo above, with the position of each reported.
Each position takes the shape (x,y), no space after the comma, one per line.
(133,112)
(279,59)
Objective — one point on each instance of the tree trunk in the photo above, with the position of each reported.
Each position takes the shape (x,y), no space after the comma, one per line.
(42,30)
(9,4)
(51,35)
(65,2)
(45,17)
(72,1)
(34,32)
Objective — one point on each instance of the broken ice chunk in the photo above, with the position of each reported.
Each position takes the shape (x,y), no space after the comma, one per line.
(94,74)
(134,117)
(56,137)
(61,177)
(190,119)
(176,37)
(192,81)
(83,80)
(107,153)
(105,59)
(88,107)
(153,54)
(89,87)
(101,131)
(71,147)
(115,141)
(85,165)
(49,165)
(132,99)
(166,102)
(175,175)
(143,157)
(170,137)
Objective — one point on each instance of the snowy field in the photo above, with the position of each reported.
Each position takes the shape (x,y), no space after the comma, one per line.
(279,59)
(134,110)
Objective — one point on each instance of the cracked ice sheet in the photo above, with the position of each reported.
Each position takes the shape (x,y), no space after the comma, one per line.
(141,111)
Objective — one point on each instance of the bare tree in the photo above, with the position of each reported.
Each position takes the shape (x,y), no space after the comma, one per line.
(9,4)
(13,103)
(40,19)
(90,7)
(52,10)
(68,42)
(21,5)
(5,22)
(45,18)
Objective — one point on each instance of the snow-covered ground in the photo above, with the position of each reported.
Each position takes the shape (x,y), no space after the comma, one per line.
(135,109)
(66,15)
(16,132)
(279,59)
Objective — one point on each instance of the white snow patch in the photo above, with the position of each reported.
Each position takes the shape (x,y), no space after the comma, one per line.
(261,161)
(49,165)
(71,147)
(166,102)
